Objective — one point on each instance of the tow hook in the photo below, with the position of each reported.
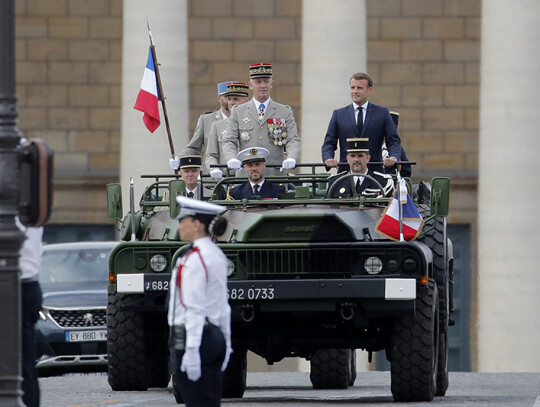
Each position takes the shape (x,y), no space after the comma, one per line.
(247,314)
(347,311)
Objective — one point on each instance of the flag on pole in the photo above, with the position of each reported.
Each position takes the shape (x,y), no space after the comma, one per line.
(147,100)
(411,220)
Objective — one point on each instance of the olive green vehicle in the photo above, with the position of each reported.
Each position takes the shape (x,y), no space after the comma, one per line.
(309,277)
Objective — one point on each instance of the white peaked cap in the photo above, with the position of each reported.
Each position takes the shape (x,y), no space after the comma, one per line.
(194,207)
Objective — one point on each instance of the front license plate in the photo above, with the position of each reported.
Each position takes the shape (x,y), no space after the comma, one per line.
(251,293)
(156,282)
(86,336)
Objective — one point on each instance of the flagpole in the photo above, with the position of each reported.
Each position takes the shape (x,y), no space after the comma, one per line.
(401,238)
(160,89)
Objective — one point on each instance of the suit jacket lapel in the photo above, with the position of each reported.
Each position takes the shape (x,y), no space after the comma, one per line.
(369,113)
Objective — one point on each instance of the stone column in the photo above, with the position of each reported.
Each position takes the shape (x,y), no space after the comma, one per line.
(333,48)
(143,152)
(509,188)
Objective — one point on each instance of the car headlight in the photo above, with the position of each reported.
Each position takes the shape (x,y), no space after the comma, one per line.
(158,263)
(230,267)
(373,265)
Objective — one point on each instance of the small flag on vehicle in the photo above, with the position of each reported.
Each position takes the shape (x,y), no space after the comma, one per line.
(401,219)
(149,95)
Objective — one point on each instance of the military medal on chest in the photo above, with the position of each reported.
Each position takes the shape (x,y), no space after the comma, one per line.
(277,131)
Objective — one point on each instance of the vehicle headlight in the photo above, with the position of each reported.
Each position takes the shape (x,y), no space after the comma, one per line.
(409,265)
(230,267)
(158,263)
(373,265)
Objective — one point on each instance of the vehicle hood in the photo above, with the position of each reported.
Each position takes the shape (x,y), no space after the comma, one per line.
(75,295)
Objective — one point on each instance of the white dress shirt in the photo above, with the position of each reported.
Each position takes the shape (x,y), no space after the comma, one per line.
(203,292)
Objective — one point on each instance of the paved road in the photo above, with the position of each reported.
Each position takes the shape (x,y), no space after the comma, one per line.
(294,389)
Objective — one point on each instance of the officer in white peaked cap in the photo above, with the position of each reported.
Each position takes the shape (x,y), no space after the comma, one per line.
(199,314)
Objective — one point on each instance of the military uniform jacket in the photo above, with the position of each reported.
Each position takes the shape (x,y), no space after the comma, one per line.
(200,136)
(198,291)
(268,190)
(244,129)
(214,148)
(344,188)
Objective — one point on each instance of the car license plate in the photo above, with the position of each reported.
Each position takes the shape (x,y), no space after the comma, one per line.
(86,336)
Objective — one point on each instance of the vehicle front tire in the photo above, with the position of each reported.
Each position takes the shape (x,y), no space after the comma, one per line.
(414,351)
(125,345)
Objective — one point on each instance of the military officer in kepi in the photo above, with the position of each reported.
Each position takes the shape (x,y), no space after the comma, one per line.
(358,158)
(199,141)
(190,170)
(199,314)
(237,93)
(262,122)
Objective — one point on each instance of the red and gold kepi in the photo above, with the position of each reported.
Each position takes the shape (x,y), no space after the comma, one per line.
(260,70)
(237,89)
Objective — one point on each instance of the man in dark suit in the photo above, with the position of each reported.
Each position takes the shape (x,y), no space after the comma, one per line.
(358,158)
(253,161)
(361,119)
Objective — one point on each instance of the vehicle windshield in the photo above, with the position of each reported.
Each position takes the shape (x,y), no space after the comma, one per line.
(75,265)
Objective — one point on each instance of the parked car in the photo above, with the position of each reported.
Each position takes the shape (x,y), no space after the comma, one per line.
(71,330)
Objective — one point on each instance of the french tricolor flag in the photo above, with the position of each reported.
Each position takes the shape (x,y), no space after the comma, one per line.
(147,100)
(412,222)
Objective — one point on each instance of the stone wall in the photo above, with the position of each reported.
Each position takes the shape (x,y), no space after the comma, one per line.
(68,56)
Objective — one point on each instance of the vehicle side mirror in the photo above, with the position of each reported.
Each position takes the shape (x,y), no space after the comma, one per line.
(176,187)
(440,196)
(114,201)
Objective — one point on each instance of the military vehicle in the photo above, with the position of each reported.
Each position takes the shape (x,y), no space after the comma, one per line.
(309,277)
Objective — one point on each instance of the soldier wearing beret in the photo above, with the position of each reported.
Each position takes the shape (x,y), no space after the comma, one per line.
(358,158)
(262,122)
(253,161)
(237,93)
(204,124)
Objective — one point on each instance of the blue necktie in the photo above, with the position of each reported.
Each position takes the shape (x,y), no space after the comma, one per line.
(360,121)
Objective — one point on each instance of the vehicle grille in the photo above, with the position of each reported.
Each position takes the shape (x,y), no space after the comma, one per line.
(309,262)
(79,318)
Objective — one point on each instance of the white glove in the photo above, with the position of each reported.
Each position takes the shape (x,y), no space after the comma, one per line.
(191,364)
(216,173)
(288,164)
(228,352)
(174,163)
(234,164)
(384,151)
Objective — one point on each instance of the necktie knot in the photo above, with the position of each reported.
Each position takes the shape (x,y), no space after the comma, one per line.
(190,194)
(256,190)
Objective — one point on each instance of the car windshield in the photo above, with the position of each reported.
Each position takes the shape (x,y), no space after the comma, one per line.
(74,265)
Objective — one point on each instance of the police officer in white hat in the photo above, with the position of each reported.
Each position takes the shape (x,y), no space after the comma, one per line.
(199,313)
